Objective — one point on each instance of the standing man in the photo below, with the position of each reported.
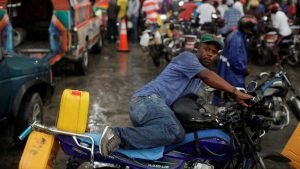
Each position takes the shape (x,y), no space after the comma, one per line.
(112,29)
(187,10)
(123,8)
(239,6)
(155,123)
(205,12)
(222,8)
(233,64)
(133,15)
(150,9)
(122,4)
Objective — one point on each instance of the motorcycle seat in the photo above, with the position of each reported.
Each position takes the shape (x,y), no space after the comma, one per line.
(157,152)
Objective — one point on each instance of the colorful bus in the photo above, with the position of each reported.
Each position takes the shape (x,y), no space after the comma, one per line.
(53,29)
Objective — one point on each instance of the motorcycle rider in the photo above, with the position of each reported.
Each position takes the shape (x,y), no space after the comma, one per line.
(154,122)
(187,10)
(206,10)
(280,23)
(232,65)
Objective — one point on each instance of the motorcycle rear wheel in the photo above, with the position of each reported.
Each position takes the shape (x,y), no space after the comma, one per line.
(75,163)
(264,57)
(293,60)
(154,53)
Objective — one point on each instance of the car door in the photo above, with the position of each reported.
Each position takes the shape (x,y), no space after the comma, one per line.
(5,89)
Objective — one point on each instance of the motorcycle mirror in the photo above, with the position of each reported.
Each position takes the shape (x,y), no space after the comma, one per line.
(251,86)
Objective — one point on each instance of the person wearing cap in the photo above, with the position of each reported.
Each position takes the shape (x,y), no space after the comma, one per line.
(154,121)
(233,63)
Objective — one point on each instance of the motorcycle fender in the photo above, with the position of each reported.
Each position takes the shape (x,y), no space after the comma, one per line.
(40,151)
(145,38)
(292,148)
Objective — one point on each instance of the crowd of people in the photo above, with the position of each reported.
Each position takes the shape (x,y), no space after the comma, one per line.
(139,12)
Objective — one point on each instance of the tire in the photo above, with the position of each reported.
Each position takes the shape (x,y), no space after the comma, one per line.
(293,60)
(282,115)
(168,56)
(155,55)
(31,110)
(83,63)
(263,57)
(97,48)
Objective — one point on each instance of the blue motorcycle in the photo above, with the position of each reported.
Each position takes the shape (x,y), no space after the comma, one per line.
(226,139)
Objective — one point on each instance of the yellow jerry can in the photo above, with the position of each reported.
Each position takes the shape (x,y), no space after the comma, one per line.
(40,151)
(73,112)
(292,148)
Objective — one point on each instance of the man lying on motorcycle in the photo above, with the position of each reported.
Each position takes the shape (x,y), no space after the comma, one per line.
(281,25)
(154,122)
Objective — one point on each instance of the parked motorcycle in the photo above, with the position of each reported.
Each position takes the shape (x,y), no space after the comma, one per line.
(274,86)
(173,44)
(151,41)
(265,42)
(229,140)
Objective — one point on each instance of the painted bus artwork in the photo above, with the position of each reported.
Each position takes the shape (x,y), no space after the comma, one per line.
(53,29)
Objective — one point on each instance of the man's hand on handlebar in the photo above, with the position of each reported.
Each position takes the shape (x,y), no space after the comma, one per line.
(242,97)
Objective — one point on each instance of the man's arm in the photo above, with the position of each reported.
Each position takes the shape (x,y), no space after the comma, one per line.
(212,79)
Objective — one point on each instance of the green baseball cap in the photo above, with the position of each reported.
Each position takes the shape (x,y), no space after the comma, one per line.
(211,38)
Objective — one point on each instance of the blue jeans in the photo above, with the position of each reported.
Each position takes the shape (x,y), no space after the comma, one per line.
(134,33)
(155,124)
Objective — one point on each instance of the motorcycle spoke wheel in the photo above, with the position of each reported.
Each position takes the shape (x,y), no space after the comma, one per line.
(293,60)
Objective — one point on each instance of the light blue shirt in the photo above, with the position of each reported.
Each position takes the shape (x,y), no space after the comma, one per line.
(177,79)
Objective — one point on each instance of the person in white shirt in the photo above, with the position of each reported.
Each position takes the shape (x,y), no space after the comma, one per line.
(280,23)
(205,12)
(222,8)
(239,6)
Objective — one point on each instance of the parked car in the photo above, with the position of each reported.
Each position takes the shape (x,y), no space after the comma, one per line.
(25,86)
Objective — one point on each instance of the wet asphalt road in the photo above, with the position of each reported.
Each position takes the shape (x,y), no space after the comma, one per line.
(111,80)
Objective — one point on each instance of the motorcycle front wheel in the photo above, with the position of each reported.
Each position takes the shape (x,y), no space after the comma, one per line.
(154,53)
(264,57)
(293,59)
